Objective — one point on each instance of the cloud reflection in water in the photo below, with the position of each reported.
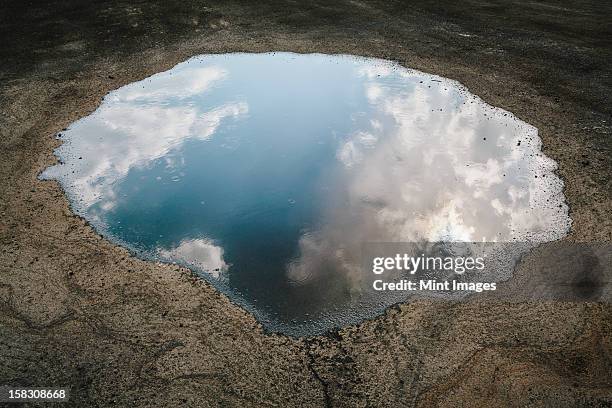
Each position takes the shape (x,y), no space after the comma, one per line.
(267,172)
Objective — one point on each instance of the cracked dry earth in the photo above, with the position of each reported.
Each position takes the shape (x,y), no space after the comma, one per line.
(78,311)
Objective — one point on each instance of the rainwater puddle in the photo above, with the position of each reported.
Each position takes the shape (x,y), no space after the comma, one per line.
(265,174)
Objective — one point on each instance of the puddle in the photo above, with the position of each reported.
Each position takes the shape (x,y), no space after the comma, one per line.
(265,173)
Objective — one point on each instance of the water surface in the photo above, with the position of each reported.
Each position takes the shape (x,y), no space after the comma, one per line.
(265,174)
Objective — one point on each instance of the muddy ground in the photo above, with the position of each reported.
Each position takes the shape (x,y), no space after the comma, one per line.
(78,311)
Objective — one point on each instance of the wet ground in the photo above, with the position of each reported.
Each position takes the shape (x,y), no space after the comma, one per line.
(77,310)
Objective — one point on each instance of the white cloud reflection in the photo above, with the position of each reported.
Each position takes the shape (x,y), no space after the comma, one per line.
(179,83)
(135,129)
(200,253)
(438,165)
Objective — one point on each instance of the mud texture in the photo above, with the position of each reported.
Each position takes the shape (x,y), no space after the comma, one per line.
(77,311)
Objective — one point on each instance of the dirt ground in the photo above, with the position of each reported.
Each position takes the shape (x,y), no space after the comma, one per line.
(78,311)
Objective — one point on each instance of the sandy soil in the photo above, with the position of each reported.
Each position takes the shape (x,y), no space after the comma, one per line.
(76,310)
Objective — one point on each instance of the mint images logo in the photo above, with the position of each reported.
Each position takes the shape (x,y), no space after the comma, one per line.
(433,285)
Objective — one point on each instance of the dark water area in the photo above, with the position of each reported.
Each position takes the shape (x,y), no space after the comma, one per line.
(266,174)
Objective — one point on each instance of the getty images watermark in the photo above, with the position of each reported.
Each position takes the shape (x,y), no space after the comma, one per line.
(413,265)
(521,271)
